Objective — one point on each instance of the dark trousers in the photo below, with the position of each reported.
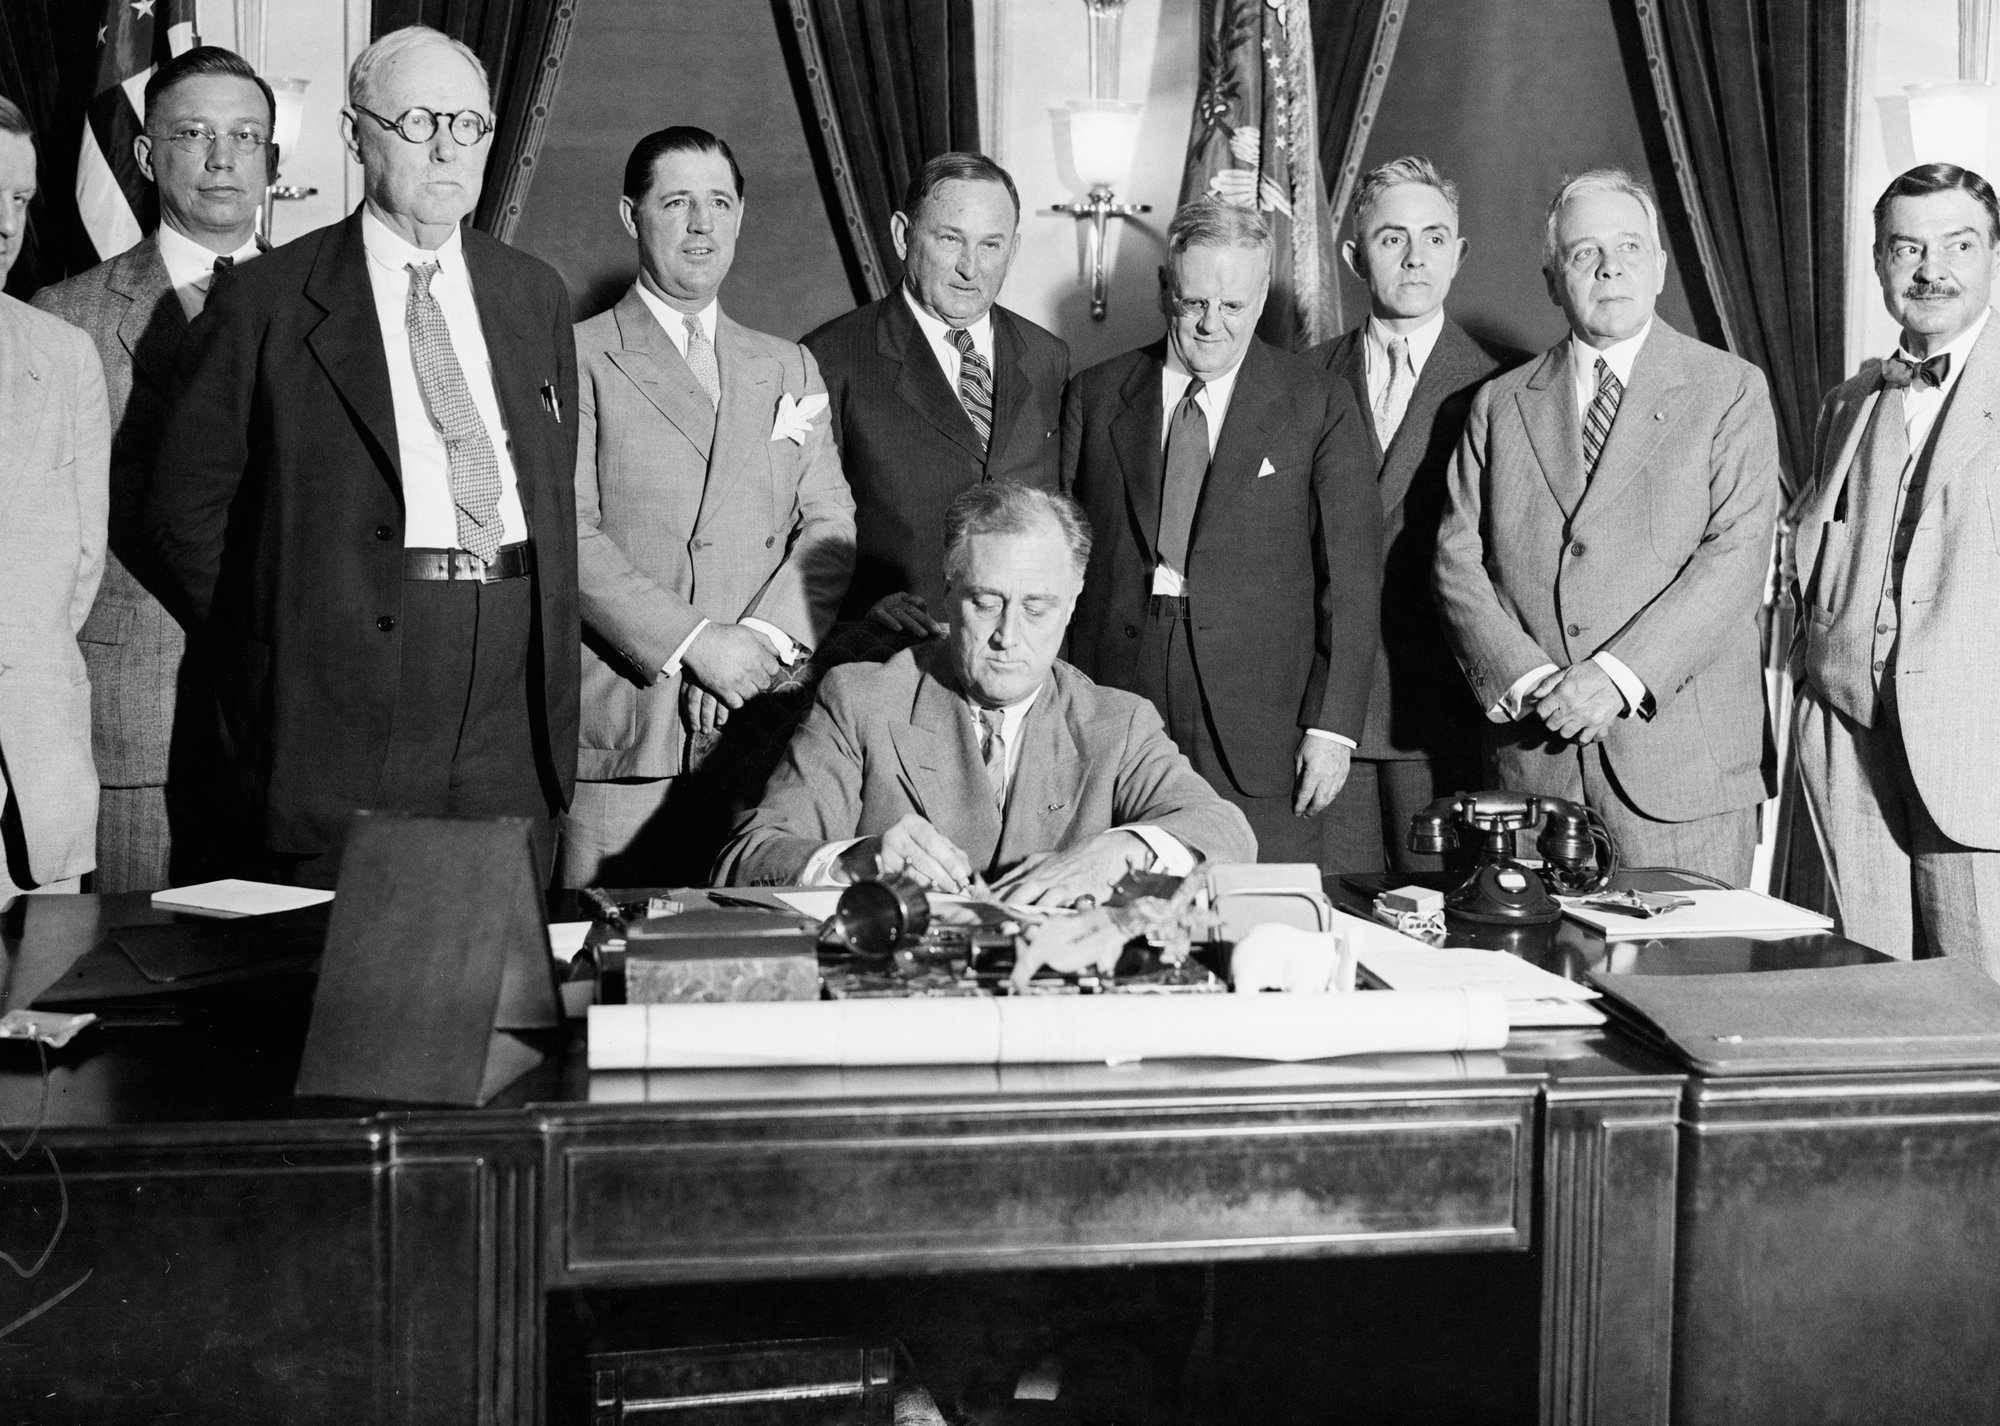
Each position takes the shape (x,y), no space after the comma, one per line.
(462,743)
(1370,819)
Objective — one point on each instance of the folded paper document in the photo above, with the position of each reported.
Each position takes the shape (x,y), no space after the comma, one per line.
(1713,913)
(234,897)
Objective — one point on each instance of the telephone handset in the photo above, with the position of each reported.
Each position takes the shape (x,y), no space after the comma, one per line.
(1577,853)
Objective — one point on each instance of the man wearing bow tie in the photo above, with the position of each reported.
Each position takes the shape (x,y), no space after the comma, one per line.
(716,532)
(1602,559)
(1898,652)
(364,492)
(208,150)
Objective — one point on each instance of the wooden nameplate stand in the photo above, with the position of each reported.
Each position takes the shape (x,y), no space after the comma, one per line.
(437,950)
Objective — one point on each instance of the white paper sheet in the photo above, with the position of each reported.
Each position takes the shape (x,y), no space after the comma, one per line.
(1714,913)
(232,897)
(566,938)
(1041,1029)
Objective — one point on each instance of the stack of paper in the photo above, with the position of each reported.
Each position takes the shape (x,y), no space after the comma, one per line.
(1535,998)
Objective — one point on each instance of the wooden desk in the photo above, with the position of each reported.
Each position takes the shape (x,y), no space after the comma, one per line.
(251,1258)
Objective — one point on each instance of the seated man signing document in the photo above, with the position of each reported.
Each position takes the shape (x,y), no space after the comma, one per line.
(982,754)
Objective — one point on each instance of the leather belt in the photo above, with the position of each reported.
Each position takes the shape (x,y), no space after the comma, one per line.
(509,562)
(1168,606)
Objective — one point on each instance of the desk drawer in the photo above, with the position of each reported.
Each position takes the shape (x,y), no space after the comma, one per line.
(685,1198)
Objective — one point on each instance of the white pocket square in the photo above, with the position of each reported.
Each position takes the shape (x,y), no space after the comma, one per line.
(795,416)
(1266,468)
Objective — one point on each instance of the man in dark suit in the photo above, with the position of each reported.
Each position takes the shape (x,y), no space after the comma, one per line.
(935,388)
(207,148)
(365,492)
(1234,580)
(983,752)
(1413,370)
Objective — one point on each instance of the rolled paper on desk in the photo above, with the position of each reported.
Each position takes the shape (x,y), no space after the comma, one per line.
(1042,1029)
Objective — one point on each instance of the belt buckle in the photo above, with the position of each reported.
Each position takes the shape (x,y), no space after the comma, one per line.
(482,570)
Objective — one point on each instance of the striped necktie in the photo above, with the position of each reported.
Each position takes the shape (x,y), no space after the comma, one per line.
(468,446)
(1597,420)
(975,385)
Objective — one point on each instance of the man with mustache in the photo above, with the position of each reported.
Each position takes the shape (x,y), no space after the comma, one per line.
(1601,563)
(1898,650)
(209,152)
(365,492)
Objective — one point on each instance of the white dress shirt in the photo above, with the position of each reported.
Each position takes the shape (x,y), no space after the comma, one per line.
(673,322)
(1171,856)
(1922,404)
(191,267)
(938,334)
(1583,359)
(430,515)
(1419,345)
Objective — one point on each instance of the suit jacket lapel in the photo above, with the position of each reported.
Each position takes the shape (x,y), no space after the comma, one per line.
(1048,779)
(1548,410)
(921,383)
(1350,364)
(1010,384)
(151,328)
(942,763)
(655,365)
(1450,358)
(347,341)
(1135,438)
(25,373)
(1647,412)
(1239,450)
(1968,431)
(750,386)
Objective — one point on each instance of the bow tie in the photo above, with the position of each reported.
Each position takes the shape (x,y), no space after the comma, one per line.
(1900,371)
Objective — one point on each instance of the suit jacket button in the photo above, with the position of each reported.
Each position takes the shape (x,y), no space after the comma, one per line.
(386,623)
(1131,631)
(770,540)
(696,544)
(1574,630)
(1577,549)
(383,532)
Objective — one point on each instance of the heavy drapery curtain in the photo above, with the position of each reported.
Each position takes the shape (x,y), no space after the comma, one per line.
(1755,95)
(1354,42)
(521,43)
(48,58)
(890,84)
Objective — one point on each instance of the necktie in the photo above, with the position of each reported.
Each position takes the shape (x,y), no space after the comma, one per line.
(468,447)
(701,361)
(222,265)
(993,751)
(1187,467)
(1395,397)
(975,385)
(1899,370)
(1597,420)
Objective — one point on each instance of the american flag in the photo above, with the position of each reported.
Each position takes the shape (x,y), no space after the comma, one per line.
(113,196)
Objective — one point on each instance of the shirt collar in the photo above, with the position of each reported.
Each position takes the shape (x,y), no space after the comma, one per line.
(1959,349)
(1216,388)
(1422,341)
(674,321)
(189,261)
(1619,356)
(1011,716)
(393,252)
(938,330)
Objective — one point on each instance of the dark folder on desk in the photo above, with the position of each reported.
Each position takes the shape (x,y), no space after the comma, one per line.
(1936,1014)
(437,953)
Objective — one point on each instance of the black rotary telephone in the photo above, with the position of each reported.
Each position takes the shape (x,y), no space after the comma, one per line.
(1577,853)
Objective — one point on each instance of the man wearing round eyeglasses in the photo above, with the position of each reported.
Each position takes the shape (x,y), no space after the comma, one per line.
(207,149)
(1235,575)
(365,492)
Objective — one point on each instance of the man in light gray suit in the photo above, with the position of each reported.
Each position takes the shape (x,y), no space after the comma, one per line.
(1601,563)
(207,148)
(55,454)
(982,753)
(1898,654)
(716,532)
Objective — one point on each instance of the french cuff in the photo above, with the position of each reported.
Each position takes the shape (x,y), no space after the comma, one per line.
(1630,686)
(1341,739)
(1171,856)
(672,667)
(788,649)
(1508,708)
(822,868)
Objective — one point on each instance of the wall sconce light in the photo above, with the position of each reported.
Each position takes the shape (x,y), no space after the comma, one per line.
(291,97)
(1097,137)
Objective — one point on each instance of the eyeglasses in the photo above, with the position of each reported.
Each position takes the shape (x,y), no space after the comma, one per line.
(1196,308)
(198,138)
(419,125)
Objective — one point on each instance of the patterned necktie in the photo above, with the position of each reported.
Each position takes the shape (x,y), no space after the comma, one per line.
(993,751)
(1395,397)
(975,385)
(468,447)
(1899,370)
(1187,467)
(701,360)
(1597,420)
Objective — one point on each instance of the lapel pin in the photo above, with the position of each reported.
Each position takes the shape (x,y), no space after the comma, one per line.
(1055,807)
(1659,415)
